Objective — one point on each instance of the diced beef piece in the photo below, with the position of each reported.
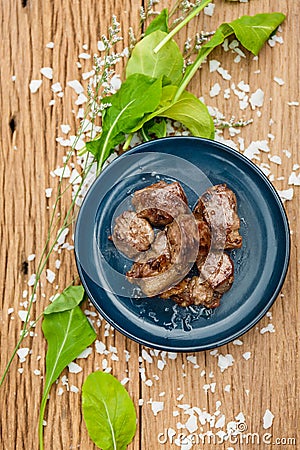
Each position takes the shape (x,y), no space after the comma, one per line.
(219,209)
(160,203)
(183,239)
(204,234)
(217,270)
(132,234)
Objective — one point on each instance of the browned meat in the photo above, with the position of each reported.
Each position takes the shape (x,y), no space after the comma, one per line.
(219,209)
(183,238)
(204,233)
(217,270)
(132,234)
(160,203)
(193,291)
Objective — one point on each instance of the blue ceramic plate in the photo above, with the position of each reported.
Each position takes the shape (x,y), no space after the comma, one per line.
(260,265)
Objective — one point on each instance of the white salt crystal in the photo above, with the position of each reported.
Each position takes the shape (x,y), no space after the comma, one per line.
(237,59)
(75,177)
(64,172)
(237,342)
(101,46)
(37,372)
(191,424)
(247,355)
(160,364)
(220,422)
(50,276)
(225,361)
(60,391)
(157,407)
(214,65)
(100,347)
(51,103)
(209,9)
(13,78)
(65,128)
(149,383)
(31,257)
(287,153)
(56,87)
(81,99)
(35,85)
(22,353)
(257,98)
(279,81)
(243,86)
(85,353)
(293,103)
(215,90)
(124,381)
(50,45)
(10,311)
(227,388)
(224,73)
(74,84)
(268,329)
(47,72)
(286,194)
(22,315)
(74,389)
(85,47)
(74,368)
(294,179)
(275,159)
(48,192)
(87,75)
(20,369)
(31,280)
(268,419)
(146,356)
(84,56)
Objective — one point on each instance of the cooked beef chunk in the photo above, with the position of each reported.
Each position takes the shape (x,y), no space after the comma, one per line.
(193,291)
(204,233)
(132,234)
(156,260)
(217,270)
(183,238)
(160,203)
(219,209)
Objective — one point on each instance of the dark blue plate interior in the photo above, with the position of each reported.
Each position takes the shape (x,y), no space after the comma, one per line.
(260,265)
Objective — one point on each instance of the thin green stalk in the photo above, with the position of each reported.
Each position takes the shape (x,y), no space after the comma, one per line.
(181,25)
(127,142)
(145,137)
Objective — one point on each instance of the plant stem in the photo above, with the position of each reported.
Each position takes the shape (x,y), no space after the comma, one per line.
(185,81)
(127,142)
(181,25)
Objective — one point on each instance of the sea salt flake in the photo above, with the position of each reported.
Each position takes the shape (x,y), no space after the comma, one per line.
(279,81)
(22,314)
(74,389)
(51,103)
(32,279)
(31,257)
(37,372)
(191,424)
(78,88)
(146,356)
(20,370)
(237,342)
(10,311)
(257,99)
(101,46)
(268,329)
(220,422)
(286,194)
(243,86)
(65,128)
(50,45)
(214,65)
(247,355)
(268,419)
(224,73)
(22,353)
(227,388)
(85,353)
(100,347)
(275,159)
(294,179)
(160,364)
(84,56)
(225,361)
(56,87)
(81,99)
(35,85)
(209,9)
(157,407)
(50,276)
(63,172)
(293,103)
(215,90)
(60,391)
(75,177)
(125,381)
(47,72)
(87,75)
(74,368)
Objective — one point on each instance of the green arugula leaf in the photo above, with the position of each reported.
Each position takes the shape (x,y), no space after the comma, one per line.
(167,63)
(67,333)
(251,31)
(193,114)
(156,128)
(159,23)
(138,96)
(68,299)
(108,412)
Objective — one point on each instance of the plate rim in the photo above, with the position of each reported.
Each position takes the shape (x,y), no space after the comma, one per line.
(167,346)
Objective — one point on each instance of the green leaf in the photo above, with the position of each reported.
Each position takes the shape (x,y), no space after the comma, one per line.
(68,299)
(138,96)
(190,111)
(159,23)
(67,333)
(251,31)
(167,63)
(108,412)
(156,128)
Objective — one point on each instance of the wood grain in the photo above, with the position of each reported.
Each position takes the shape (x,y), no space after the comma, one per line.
(29,152)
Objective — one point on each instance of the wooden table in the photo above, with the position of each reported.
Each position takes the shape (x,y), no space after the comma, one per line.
(29,127)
